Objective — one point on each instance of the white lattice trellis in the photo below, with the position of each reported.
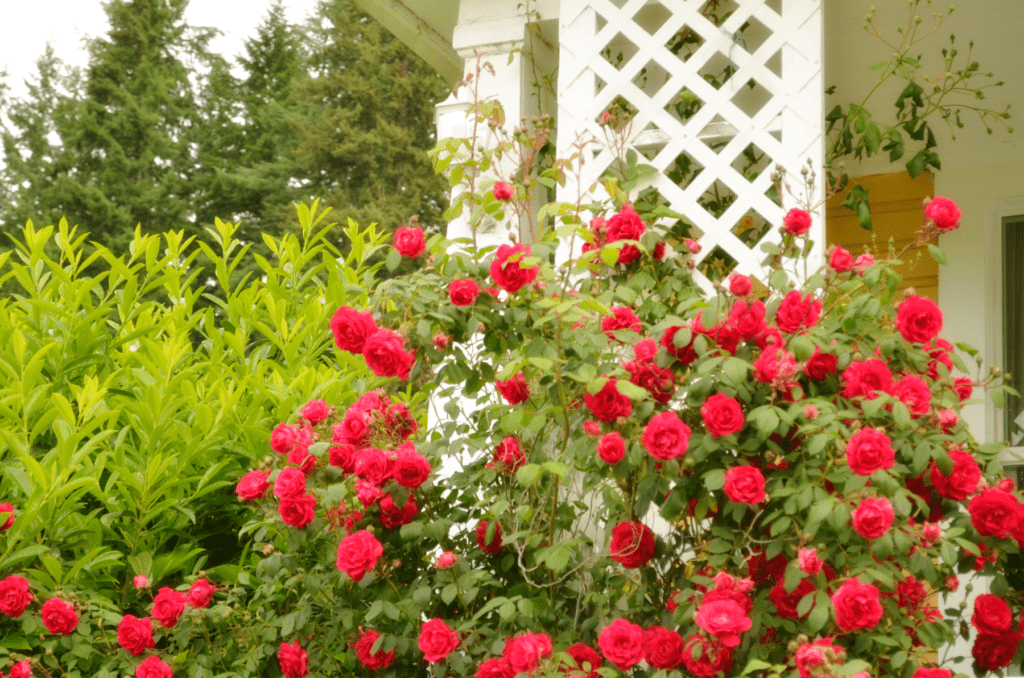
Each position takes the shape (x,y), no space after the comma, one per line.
(771,102)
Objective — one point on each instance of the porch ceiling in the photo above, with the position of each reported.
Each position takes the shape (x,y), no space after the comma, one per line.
(426,26)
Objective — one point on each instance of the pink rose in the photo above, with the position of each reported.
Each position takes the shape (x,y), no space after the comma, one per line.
(611,448)
(463,292)
(292,659)
(446,560)
(410,241)
(796,221)
(810,656)
(918,319)
(316,411)
(622,644)
(869,450)
(809,561)
(358,554)
(724,619)
(840,260)
(351,329)
(857,606)
(510,275)
(722,415)
(437,640)
(140,581)
(386,355)
(943,212)
(666,436)
(744,485)
(502,191)
(253,485)
(872,517)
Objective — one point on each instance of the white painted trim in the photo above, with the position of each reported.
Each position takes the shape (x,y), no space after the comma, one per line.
(995,212)
(418,35)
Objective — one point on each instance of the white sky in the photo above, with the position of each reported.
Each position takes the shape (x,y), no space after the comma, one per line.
(27,25)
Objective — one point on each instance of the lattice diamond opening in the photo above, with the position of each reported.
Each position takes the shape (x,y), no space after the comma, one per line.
(717,94)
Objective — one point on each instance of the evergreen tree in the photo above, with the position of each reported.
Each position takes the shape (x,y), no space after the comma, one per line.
(372,123)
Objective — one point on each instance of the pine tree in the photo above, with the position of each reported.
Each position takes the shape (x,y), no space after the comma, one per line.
(373,121)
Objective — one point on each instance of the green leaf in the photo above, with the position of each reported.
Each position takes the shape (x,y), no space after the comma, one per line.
(714,479)
(916,165)
(527,475)
(393,260)
(937,254)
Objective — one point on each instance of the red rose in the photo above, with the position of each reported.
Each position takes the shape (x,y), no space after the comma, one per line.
(820,365)
(722,415)
(856,605)
(510,275)
(645,350)
(608,404)
(797,312)
(391,516)
(515,390)
(964,387)
(59,617)
(343,455)
(963,479)
(200,593)
(943,212)
(508,456)
(7,516)
(622,644)
(864,378)
(282,439)
(711,658)
(15,595)
(351,329)
(374,661)
(524,652)
(358,554)
(622,319)
(297,511)
(492,546)
(495,668)
(775,366)
(463,292)
(502,191)
(663,648)
(666,436)
(411,468)
(374,466)
(316,411)
(168,606)
(135,635)
(993,512)
(410,242)
(991,614)
(626,225)
(725,619)
(632,545)
(786,603)
(918,319)
(587,659)
(291,482)
(22,669)
(840,260)
(796,222)
(367,493)
(152,667)
(744,485)
(810,656)
(914,393)
(660,382)
(747,319)
(869,450)
(437,640)
(923,672)
(292,659)
(253,485)
(993,652)
(611,448)
(386,355)
(872,517)
(740,285)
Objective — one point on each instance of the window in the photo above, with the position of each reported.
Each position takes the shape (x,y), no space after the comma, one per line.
(1013,328)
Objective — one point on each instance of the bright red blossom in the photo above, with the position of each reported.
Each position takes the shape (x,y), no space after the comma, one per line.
(292,659)
(437,640)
